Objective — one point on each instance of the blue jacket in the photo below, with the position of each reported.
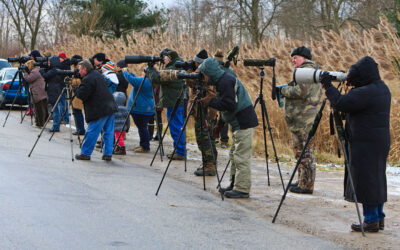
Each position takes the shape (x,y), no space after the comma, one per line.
(144,103)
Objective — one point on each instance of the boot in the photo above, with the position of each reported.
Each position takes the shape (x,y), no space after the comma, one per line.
(140,149)
(228,188)
(295,184)
(106,157)
(209,170)
(82,157)
(368,227)
(298,190)
(120,150)
(382,224)
(236,194)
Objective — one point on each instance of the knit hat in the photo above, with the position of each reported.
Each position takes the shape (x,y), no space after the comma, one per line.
(35,53)
(109,66)
(122,64)
(219,56)
(100,57)
(47,54)
(119,98)
(173,55)
(302,51)
(62,55)
(201,56)
(164,52)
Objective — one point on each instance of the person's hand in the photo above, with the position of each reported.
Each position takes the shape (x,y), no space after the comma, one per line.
(206,100)
(326,80)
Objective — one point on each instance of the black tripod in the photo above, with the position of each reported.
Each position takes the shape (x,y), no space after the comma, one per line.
(22,84)
(339,128)
(69,99)
(204,124)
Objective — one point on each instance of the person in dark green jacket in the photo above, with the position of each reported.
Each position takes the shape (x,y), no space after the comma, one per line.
(170,92)
(237,109)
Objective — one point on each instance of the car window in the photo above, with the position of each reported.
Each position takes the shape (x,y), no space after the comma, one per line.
(4,64)
(9,75)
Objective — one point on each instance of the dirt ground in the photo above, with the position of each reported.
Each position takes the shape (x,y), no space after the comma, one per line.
(324,214)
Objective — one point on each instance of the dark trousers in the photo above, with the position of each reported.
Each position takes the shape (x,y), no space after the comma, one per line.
(40,112)
(79,121)
(373,213)
(224,133)
(152,122)
(141,122)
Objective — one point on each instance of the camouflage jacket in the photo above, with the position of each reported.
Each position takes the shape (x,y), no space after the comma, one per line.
(301,103)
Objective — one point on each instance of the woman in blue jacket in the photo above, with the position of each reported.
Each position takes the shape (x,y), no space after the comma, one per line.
(143,109)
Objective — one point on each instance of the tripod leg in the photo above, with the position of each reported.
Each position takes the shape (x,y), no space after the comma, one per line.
(223,173)
(264,108)
(62,114)
(67,106)
(12,105)
(265,139)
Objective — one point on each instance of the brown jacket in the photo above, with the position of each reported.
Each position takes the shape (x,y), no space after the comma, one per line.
(76,102)
(36,84)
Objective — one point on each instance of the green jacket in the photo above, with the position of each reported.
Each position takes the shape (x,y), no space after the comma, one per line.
(301,103)
(169,90)
(232,98)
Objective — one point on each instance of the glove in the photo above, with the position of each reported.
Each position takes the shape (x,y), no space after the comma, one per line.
(326,80)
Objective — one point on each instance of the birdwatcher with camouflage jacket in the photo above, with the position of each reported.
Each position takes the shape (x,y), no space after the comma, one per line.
(301,107)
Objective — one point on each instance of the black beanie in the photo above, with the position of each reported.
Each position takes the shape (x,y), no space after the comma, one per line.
(76,57)
(201,56)
(100,57)
(302,51)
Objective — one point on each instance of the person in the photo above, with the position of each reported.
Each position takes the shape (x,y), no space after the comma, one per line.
(37,86)
(301,107)
(77,105)
(224,138)
(119,123)
(108,71)
(122,82)
(99,106)
(65,64)
(143,110)
(237,109)
(208,152)
(34,54)
(367,109)
(158,113)
(54,86)
(98,60)
(169,94)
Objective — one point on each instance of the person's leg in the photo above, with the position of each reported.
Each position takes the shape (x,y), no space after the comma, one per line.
(176,125)
(56,118)
(151,125)
(92,133)
(307,166)
(380,212)
(141,122)
(108,135)
(121,138)
(64,109)
(370,213)
(224,134)
(42,112)
(79,121)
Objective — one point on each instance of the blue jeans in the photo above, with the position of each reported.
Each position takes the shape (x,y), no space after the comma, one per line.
(64,109)
(175,128)
(373,213)
(92,133)
(56,118)
(79,121)
(142,122)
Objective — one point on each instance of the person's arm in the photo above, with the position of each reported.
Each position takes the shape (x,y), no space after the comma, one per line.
(133,80)
(49,74)
(353,102)
(227,98)
(298,91)
(85,89)
(32,76)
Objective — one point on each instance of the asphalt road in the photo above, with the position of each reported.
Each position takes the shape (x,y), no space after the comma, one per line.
(49,202)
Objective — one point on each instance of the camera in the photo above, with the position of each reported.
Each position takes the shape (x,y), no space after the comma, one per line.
(306,75)
(259,62)
(44,65)
(41,59)
(73,73)
(21,60)
(136,59)
(169,75)
(75,61)
(190,65)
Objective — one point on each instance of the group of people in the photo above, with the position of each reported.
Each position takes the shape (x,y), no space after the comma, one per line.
(101,92)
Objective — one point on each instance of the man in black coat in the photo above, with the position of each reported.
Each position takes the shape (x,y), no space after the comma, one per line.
(99,108)
(367,107)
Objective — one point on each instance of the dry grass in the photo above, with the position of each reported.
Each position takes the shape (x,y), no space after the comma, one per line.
(333,52)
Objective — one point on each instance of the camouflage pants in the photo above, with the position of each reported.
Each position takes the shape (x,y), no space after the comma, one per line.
(306,170)
(202,140)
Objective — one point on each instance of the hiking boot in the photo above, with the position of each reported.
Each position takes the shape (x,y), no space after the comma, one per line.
(228,188)
(106,157)
(224,144)
(120,150)
(382,224)
(368,227)
(76,133)
(176,157)
(82,157)
(209,170)
(294,184)
(54,130)
(299,190)
(236,194)
(140,149)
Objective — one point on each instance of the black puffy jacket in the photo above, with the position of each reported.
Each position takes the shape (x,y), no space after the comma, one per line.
(54,82)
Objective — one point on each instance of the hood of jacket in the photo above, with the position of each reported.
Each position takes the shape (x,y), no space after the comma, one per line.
(211,68)
(119,98)
(364,72)
(54,62)
(111,76)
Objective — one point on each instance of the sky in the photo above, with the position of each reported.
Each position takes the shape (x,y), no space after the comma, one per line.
(167,3)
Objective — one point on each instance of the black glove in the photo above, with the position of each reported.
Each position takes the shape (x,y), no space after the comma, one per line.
(326,80)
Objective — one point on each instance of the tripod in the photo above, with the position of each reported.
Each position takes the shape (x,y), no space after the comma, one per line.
(150,64)
(265,120)
(22,84)
(204,124)
(339,128)
(69,99)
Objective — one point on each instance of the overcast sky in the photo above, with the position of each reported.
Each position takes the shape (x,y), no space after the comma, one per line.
(167,3)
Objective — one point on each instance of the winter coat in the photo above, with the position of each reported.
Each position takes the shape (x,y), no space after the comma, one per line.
(97,100)
(367,107)
(122,113)
(169,90)
(232,98)
(112,80)
(66,64)
(37,84)
(54,82)
(301,103)
(122,83)
(144,103)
